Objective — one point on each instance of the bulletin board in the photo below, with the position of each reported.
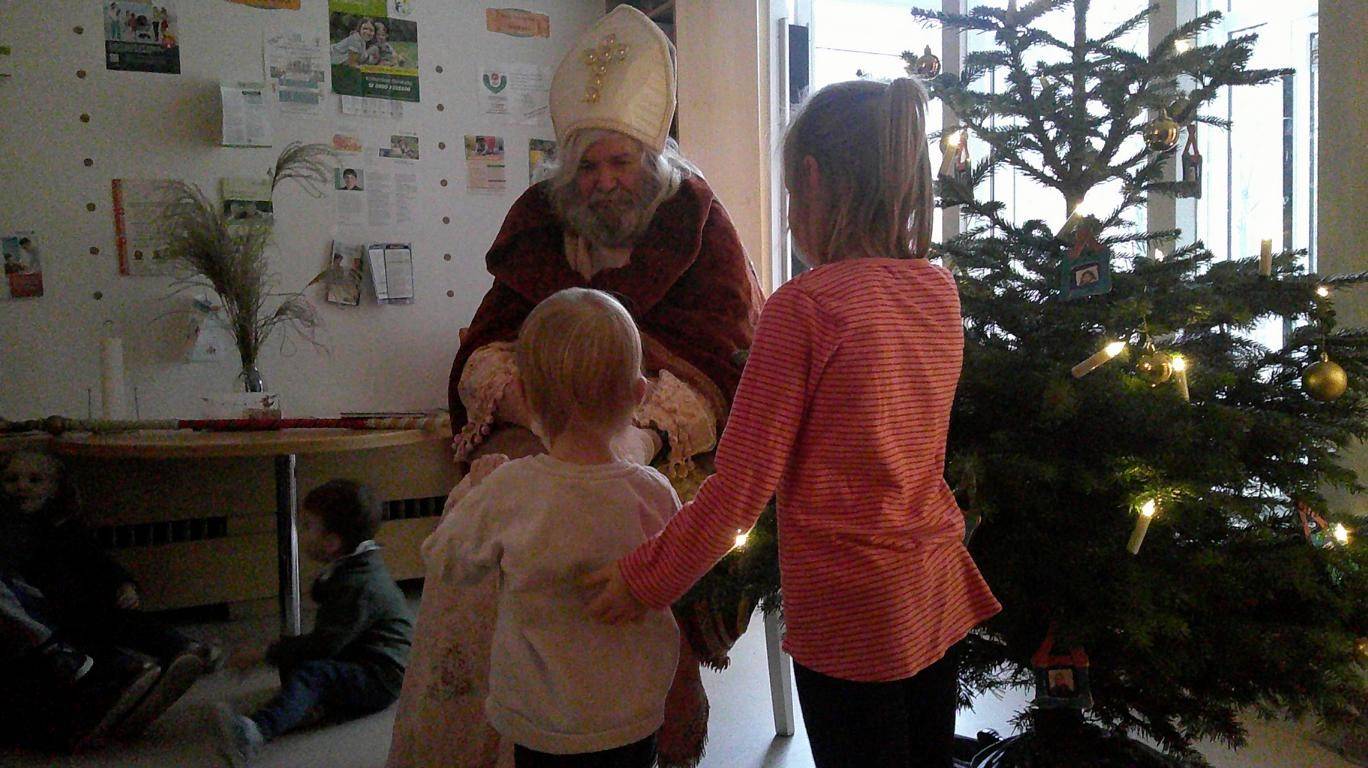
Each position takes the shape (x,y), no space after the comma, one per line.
(74,124)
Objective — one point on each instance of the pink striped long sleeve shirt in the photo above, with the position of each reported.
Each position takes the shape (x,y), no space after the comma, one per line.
(843,411)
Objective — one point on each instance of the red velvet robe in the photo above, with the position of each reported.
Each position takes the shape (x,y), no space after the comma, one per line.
(688,285)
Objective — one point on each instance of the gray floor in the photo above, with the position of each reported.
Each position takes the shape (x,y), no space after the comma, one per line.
(742,725)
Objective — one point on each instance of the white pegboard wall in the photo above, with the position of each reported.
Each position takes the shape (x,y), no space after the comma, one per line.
(55,164)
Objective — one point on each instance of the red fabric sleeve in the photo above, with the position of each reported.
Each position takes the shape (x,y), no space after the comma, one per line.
(792,346)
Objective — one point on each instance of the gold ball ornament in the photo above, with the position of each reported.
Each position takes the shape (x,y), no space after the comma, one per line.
(927,65)
(1161,134)
(1154,368)
(1326,380)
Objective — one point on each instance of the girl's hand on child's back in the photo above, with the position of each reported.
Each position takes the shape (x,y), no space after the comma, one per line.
(613,602)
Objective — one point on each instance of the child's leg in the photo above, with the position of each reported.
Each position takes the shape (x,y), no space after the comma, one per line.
(904,723)
(20,632)
(340,688)
(641,754)
(932,697)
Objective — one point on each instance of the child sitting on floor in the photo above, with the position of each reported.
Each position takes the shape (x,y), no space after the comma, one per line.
(562,686)
(352,663)
(68,603)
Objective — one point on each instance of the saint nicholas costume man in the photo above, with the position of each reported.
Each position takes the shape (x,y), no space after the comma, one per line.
(686,281)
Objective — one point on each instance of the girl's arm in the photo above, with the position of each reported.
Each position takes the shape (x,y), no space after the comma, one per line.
(792,345)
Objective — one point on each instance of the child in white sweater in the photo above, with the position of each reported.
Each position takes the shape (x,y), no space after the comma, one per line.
(565,689)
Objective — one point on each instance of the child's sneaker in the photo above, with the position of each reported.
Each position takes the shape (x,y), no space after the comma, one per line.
(176,678)
(66,664)
(239,738)
(118,683)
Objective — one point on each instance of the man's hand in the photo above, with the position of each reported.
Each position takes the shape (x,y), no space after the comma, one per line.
(614,603)
(126,597)
(637,445)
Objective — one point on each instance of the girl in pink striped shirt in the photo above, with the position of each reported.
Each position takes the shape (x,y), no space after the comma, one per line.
(842,412)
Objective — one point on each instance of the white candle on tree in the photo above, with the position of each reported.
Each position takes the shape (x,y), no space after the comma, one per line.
(1098,359)
(1266,257)
(1142,523)
(1179,365)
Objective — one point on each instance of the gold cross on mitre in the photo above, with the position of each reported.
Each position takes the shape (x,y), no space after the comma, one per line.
(598,59)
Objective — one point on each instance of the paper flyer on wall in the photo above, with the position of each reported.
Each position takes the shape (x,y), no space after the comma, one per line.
(284,5)
(539,153)
(296,65)
(486,171)
(6,60)
(141,37)
(391,270)
(520,93)
(246,116)
(374,49)
(23,266)
(246,198)
(390,197)
(516,22)
(360,106)
(342,281)
(139,206)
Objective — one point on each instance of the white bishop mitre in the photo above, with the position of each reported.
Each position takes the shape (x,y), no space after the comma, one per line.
(620,75)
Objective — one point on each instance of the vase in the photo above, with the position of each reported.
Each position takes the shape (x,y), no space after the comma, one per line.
(251,379)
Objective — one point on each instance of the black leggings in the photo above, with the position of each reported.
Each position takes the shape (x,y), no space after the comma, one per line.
(906,723)
(640,754)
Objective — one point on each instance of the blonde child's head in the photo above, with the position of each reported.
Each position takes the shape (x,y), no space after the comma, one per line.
(858,173)
(579,359)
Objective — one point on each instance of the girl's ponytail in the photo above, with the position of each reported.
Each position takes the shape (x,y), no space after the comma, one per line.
(903,157)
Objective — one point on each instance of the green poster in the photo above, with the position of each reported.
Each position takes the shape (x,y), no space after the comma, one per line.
(374,49)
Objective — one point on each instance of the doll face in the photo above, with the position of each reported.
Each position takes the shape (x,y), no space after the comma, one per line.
(31,480)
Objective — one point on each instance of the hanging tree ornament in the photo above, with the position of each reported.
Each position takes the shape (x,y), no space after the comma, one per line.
(1192,164)
(1161,133)
(927,65)
(1086,270)
(1325,380)
(1154,367)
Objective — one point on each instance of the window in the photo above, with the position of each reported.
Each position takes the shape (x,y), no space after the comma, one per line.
(1259,179)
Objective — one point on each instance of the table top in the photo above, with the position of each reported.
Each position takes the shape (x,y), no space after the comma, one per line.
(188,444)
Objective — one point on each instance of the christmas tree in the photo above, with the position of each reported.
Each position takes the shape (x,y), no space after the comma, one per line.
(1148,477)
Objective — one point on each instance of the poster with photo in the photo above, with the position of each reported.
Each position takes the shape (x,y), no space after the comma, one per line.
(342,280)
(486,171)
(401,147)
(23,267)
(141,37)
(246,199)
(373,49)
(349,179)
(139,205)
(539,153)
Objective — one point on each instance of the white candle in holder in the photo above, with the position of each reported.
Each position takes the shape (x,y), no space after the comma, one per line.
(1266,258)
(1100,358)
(1142,523)
(1180,376)
(112,379)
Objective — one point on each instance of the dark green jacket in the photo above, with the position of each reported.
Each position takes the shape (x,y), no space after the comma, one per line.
(362,618)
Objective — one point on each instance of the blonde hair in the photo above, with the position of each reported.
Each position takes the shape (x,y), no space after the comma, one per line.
(869,141)
(579,357)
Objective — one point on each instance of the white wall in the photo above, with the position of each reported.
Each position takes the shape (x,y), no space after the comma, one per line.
(1343,192)
(724,113)
(166,126)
